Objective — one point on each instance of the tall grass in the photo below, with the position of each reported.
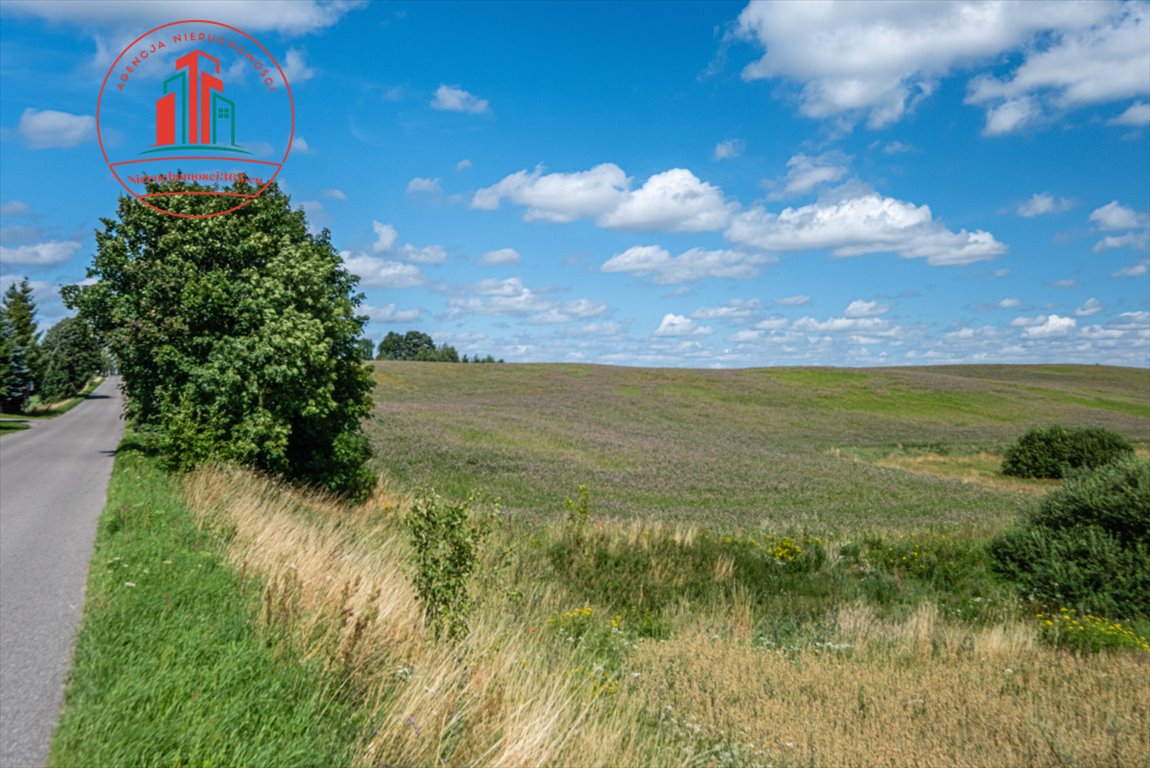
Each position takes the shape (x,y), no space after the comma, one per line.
(555,672)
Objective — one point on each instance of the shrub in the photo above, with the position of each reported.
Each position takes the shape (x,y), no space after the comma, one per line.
(1087,545)
(1050,451)
(446,544)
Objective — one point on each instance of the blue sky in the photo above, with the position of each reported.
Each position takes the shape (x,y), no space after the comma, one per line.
(704,184)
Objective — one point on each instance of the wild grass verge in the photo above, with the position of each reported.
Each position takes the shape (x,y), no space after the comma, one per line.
(641,644)
(169,668)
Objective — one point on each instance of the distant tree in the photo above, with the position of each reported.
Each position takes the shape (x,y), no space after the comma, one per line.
(72,356)
(237,336)
(418,346)
(366,348)
(15,380)
(391,348)
(21,310)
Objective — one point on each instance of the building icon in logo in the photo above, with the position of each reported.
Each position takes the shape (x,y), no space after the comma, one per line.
(193,113)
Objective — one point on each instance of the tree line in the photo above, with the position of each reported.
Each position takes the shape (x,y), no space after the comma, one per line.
(36,370)
(418,346)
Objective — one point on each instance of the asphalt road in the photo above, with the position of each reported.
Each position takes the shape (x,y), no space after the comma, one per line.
(53,483)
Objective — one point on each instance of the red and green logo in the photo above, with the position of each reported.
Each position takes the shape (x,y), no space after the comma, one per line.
(170,110)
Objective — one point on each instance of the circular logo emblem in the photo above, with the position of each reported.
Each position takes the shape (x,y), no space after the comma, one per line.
(198,102)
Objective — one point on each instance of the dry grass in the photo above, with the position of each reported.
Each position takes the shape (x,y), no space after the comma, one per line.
(906,695)
(982,469)
(918,692)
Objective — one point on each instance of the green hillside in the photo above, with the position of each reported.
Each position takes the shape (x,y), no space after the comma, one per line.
(772,447)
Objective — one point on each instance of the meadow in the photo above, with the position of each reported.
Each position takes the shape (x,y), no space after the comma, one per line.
(765,568)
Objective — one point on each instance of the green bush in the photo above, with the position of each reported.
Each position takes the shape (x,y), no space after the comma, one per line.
(1050,451)
(1087,545)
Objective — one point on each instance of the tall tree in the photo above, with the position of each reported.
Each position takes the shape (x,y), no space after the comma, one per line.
(15,380)
(72,356)
(21,309)
(237,336)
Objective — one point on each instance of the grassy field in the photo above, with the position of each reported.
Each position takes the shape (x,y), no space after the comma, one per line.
(780,568)
(760,448)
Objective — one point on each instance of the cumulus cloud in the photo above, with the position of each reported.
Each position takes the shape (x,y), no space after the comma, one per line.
(794,301)
(1009,303)
(419,184)
(375,272)
(1114,216)
(15,208)
(500,257)
(860,308)
(735,309)
(290,17)
(452,98)
(49,129)
(1051,325)
(295,68)
(695,264)
(1091,307)
(385,236)
(1134,270)
(1135,240)
(425,254)
(40,254)
(876,61)
(674,200)
(867,223)
(1042,203)
(730,148)
(1137,115)
(805,173)
(679,325)
(335,194)
(389,314)
(509,297)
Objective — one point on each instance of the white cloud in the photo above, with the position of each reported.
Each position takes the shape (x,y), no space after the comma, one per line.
(860,308)
(49,129)
(426,254)
(1091,307)
(678,325)
(1134,270)
(389,314)
(730,148)
(335,194)
(295,68)
(674,200)
(694,264)
(380,272)
(794,301)
(463,165)
(1010,116)
(1010,303)
(1135,240)
(15,208)
(509,297)
(500,257)
(864,224)
(1137,115)
(1115,216)
(735,309)
(452,98)
(897,148)
(876,61)
(1048,326)
(290,17)
(385,235)
(1042,203)
(805,173)
(298,144)
(1103,61)
(419,184)
(40,254)
(558,197)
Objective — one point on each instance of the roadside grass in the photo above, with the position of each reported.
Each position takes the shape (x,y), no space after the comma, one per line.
(653,644)
(10,425)
(169,669)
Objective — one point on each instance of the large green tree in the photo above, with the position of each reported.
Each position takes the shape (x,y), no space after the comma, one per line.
(15,380)
(72,356)
(237,336)
(20,307)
